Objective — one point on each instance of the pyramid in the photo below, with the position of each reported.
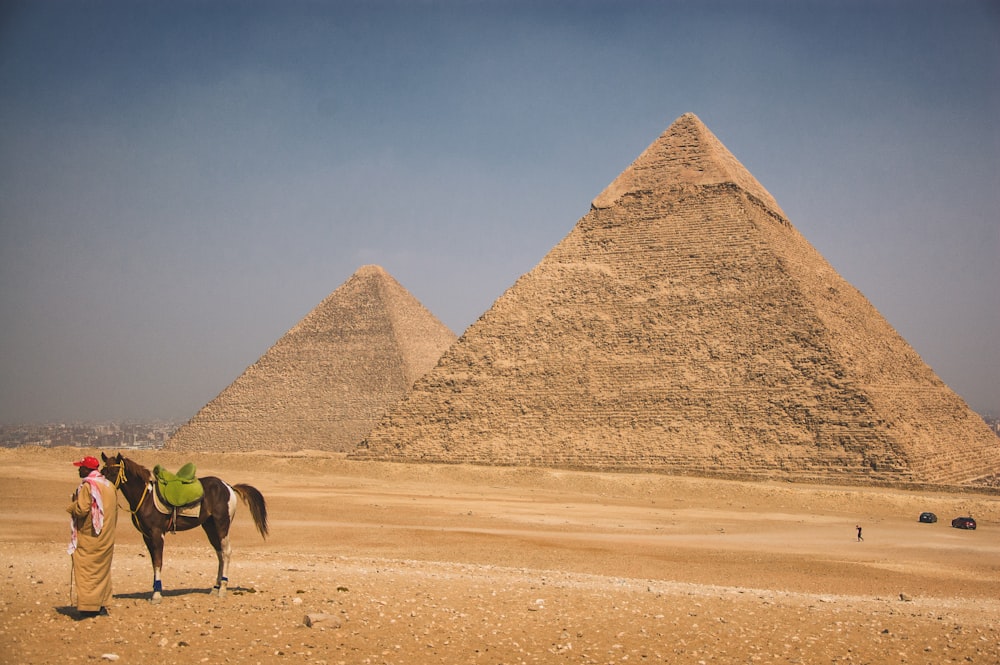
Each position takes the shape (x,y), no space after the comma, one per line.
(328,380)
(684,326)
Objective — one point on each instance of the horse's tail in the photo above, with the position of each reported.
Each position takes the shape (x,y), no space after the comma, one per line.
(258,507)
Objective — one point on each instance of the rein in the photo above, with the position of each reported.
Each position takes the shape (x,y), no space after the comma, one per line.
(120,479)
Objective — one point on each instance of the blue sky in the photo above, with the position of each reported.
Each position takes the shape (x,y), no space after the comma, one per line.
(181,182)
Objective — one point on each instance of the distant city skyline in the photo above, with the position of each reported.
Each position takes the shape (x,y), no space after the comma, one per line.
(182,182)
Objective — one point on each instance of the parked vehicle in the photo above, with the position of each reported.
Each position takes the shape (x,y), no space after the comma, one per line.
(928,518)
(964,523)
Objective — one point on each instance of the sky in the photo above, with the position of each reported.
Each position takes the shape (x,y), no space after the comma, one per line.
(181,182)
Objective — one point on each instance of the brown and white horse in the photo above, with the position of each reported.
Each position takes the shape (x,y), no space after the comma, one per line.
(218,508)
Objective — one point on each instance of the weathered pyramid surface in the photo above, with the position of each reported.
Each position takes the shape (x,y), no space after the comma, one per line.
(685,326)
(328,380)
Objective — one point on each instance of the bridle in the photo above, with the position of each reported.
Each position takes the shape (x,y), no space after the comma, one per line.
(120,479)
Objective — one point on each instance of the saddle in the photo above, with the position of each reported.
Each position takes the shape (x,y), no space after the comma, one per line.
(178,490)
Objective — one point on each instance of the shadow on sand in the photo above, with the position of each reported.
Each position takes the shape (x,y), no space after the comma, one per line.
(75,614)
(170,593)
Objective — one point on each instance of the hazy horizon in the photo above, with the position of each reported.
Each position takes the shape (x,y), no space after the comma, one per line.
(181,183)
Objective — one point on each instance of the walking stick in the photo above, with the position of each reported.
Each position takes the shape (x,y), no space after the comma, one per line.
(72,566)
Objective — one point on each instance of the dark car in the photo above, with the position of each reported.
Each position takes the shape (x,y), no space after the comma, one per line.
(964,523)
(928,518)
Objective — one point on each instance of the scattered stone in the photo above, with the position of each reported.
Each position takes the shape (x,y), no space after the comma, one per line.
(331,620)
(906,599)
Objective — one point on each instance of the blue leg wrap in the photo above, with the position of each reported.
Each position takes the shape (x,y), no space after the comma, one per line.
(157,586)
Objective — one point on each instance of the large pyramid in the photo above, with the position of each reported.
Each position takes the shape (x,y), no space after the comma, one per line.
(685,326)
(328,380)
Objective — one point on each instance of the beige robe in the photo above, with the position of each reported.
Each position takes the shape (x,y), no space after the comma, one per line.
(93,555)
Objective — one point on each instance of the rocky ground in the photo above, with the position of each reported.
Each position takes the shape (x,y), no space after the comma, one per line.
(385,563)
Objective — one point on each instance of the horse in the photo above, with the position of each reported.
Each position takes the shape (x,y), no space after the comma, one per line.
(218,508)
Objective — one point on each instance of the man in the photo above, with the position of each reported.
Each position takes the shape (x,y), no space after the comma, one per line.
(93,515)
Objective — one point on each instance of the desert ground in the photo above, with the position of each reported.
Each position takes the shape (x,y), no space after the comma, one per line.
(418,564)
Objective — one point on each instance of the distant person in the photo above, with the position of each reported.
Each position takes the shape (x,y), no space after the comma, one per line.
(93,516)
(860,539)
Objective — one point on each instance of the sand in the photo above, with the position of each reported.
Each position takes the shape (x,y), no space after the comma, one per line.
(396,563)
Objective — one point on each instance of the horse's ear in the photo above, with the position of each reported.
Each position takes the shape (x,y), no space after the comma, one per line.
(104,458)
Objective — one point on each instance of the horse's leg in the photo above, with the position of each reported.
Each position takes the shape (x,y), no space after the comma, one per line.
(223,550)
(154,543)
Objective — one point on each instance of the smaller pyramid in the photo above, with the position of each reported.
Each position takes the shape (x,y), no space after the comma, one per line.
(328,380)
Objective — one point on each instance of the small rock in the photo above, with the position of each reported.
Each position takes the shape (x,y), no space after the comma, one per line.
(312,619)
(109,656)
(904,597)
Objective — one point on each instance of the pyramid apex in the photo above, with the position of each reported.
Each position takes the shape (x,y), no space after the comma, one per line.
(686,154)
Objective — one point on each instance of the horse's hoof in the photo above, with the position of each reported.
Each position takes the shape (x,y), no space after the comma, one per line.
(155,600)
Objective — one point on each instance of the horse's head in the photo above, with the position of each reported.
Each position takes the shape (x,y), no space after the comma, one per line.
(114,468)
(120,470)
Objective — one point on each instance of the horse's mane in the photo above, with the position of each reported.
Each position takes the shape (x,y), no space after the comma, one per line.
(137,469)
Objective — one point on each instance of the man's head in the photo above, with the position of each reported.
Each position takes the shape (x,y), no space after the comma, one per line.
(86,465)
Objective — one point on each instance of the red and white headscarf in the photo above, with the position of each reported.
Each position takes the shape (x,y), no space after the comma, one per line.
(94,480)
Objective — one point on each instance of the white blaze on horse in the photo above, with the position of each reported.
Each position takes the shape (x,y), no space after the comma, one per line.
(214,514)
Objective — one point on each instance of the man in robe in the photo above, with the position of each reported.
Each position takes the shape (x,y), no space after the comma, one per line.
(93,514)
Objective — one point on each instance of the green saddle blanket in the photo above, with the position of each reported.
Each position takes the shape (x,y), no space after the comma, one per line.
(181,488)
